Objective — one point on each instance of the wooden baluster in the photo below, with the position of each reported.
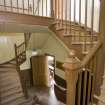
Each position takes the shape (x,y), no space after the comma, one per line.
(79,89)
(70,18)
(5,5)
(16,56)
(28,7)
(79,20)
(66,16)
(58,6)
(85,39)
(89,88)
(74,36)
(42,7)
(33,7)
(62,13)
(84,87)
(46,8)
(17,6)
(11,6)
(94,68)
(55,9)
(92,23)
(52,7)
(23,5)
(38,8)
(71,73)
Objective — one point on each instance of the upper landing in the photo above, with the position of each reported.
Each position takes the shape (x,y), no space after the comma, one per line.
(16,18)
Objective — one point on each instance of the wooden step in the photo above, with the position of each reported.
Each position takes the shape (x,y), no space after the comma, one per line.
(101,99)
(5,74)
(82,43)
(18,101)
(7,70)
(6,84)
(54,23)
(59,29)
(9,77)
(11,93)
(9,88)
(11,98)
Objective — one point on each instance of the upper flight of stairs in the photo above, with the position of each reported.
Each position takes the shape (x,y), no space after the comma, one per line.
(11,92)
(101,98)
(75,36)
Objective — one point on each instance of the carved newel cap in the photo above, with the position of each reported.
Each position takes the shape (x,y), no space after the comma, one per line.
(72,62)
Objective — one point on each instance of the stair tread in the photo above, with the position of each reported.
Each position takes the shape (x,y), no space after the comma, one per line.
(102,99)
(11,98)
(7,78)
(11,92)
(102,87)
(59,29)
(18,101)
(3,84)
(4,74)
(5,89)
(95,42)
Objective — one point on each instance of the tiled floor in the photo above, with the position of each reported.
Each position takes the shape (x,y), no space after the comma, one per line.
(45,95)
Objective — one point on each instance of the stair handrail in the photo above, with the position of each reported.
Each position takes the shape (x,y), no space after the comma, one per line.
(20,57)
(93,51)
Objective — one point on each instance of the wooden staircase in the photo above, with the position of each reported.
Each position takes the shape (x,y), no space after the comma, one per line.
(11,92)
(76,35)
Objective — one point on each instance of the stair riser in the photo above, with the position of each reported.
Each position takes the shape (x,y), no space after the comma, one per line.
(5,96)
(9,88)
(6,84)
(11,99)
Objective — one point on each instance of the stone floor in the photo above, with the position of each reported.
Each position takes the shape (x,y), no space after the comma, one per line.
(45,95)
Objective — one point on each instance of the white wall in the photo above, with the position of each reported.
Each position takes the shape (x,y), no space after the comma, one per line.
(54,47)
(7,41)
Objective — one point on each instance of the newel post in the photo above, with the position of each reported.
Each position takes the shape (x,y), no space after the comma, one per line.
(71,76)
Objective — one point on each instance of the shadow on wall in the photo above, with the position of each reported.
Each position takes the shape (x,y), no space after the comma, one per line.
(7,47)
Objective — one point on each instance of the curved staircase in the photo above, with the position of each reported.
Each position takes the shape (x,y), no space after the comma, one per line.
(75,36)
(11,92)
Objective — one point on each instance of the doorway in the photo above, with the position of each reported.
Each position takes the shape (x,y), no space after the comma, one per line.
(51,66)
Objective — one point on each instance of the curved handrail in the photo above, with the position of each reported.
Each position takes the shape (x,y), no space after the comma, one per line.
(91,54)
(88,57)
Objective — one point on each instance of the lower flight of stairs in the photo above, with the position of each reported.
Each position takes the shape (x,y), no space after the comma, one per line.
(11,92)
(101,98)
